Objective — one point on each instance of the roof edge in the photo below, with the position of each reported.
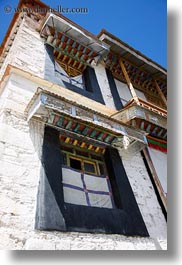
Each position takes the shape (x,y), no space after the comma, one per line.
(104,31)
(15,17)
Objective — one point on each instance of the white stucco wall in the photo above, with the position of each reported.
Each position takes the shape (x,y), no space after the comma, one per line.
(104,85)
(159,160)
(124,92)
(27,51)
(20,151)
(145,195)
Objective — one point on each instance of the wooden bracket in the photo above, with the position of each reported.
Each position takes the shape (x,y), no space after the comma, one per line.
(130,86)
(160,93)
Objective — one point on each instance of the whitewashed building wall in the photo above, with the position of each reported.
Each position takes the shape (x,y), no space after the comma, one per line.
(20,153)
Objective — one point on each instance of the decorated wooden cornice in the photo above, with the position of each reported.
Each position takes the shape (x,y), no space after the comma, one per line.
(81,144)
(72,46)
(81,123)
(139,78)
(157,144)
(143,73)
(144,116)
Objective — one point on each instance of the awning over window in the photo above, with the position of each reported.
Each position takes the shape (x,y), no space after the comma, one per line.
(83,123)
(72,45)
(144,116)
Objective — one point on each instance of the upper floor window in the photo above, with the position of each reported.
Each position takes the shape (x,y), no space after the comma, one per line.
(69,74)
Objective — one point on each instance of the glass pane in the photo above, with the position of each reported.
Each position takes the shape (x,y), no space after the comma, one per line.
(89,167)
(74,163)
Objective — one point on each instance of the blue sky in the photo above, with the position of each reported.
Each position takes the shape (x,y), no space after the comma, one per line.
(140,23)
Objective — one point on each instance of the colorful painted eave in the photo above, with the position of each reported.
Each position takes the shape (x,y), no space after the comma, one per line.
(72,45)
(144,116)
(141,69)
(157,144)
(77,122)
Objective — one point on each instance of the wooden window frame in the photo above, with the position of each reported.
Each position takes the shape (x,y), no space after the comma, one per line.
(83,159)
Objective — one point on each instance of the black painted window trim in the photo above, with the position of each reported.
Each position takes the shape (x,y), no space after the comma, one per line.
(54,214)
(92,89)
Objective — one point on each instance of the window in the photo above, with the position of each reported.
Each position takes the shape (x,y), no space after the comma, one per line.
(89,167)
(85,179)
(83,161)
(69,74)
(82,165)
(85,213)
(75,163)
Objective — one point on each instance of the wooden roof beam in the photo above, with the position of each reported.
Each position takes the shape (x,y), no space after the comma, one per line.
(160,93)
(130,86)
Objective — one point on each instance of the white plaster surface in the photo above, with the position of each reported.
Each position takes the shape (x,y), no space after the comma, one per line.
(104,85)
(27,51)
(20,151)
(145,196)
(159,160)
(124,92)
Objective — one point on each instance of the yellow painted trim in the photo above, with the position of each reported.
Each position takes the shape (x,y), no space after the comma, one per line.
(67,140)
(75,142)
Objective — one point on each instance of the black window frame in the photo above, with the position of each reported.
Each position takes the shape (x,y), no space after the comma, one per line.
(54,214)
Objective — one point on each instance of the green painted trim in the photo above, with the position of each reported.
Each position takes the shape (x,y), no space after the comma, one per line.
(51,118)
(84,132)
(68,126)
(93,133)
(64,52)
(60,122)
(107,138)
(99,137)
(157,143)
(114,140)
(77,127)
(85,159)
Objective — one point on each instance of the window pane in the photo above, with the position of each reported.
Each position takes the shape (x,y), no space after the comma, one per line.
(89,167)
(74,163)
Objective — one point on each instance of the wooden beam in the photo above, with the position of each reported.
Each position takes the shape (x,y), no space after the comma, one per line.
(75,142)
(82,144)
(130,86)
(97,149)
(160,93)
(90,147)
(67,140)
